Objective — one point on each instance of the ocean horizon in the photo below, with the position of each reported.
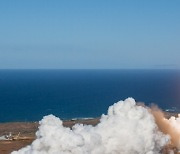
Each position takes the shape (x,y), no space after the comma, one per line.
(30,94)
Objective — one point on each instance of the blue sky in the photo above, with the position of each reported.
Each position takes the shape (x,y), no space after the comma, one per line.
(82,34)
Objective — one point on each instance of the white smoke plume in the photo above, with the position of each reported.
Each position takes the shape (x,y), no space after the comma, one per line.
(126,129)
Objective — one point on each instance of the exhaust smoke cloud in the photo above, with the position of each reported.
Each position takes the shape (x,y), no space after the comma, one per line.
(168,126)
(126,129)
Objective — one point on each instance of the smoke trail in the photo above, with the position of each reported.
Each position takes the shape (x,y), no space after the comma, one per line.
(126,129)
(171,126)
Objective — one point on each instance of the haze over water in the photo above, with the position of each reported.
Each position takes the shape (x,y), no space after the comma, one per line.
(28,95)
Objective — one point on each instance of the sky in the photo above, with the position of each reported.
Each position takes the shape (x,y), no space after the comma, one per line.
(89,34)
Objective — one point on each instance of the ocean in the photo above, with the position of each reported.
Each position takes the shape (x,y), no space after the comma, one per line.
(28,95)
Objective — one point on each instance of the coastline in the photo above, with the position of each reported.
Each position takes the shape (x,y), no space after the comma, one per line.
(27,132)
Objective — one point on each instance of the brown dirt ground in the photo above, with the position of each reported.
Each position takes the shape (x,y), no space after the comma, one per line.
(28,129)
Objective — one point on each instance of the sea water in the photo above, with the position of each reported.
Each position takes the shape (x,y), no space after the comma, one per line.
(28,95)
